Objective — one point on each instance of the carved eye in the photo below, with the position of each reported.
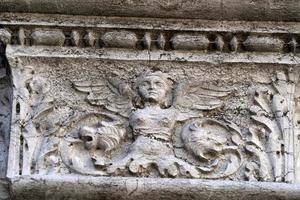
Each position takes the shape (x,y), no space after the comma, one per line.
(145,84)
(142,85)
(158,83)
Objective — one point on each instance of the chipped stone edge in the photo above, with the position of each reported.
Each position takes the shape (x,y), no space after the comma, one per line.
(157,55)
(148,188)
(169,24)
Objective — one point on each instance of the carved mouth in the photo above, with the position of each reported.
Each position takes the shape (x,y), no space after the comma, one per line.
(87,138)
(89,142)
(153,93)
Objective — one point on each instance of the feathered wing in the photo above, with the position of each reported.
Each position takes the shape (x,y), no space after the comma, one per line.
(114,96)
(199,96)
(109,93)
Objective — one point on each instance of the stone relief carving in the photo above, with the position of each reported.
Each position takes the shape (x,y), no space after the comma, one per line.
(156,126)
(32,106)
(152,108)
(145,116)
(272,136)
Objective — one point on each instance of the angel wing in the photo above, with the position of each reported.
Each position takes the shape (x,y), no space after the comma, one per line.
(114,95)
(199,96)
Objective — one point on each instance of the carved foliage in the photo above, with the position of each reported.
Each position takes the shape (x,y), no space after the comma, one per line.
(272,133)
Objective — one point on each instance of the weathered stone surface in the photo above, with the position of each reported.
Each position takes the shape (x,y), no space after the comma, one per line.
(6,97)
(5,36)
(122,104)
(91,39)
(121,39)
(4,189)
(263,44)
(190,42)
(212,37)
(48,37)
(161,41)
(219,42)
(76,38)
(76,187)
(263,10)
(5,117)
(175,114)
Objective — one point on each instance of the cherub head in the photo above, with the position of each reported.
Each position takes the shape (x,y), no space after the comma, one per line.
(154,88)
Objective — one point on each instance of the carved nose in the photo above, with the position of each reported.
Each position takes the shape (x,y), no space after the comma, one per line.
(152,86)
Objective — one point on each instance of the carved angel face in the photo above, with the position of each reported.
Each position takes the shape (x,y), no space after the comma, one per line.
(153,88)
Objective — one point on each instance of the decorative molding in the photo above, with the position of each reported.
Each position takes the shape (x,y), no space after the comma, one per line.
(163,40)
(262,10)
(161,35)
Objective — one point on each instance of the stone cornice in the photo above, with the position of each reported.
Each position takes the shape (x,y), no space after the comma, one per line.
(152,39)
(263,10)
(44,20)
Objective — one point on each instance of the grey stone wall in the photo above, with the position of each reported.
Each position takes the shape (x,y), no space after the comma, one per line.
(252,10)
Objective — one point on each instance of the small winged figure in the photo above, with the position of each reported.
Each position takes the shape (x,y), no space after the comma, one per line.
(152,108)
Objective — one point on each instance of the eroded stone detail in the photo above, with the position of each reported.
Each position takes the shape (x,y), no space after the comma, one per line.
(190,42)
(228,41)
(5,36)
(112,105)
(91,39)
(6,106)
(121,39)
(48,37)
(154,122)
(32,106)
(263,44)
(152,110)
(156,126)
(272,136)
